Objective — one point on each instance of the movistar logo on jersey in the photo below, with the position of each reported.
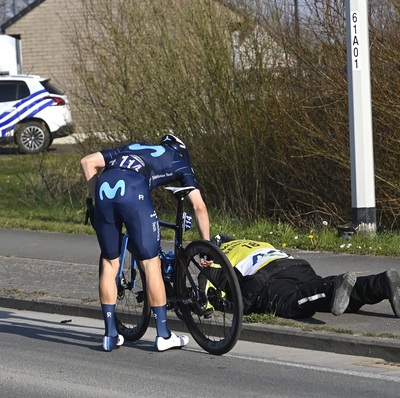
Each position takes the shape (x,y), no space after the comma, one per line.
(111,193)
(156,150)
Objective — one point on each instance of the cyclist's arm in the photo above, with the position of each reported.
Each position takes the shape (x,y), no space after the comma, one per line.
(90,164)
(200,214)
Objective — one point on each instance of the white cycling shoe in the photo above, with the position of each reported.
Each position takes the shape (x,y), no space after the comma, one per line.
(109,343)
(174,341)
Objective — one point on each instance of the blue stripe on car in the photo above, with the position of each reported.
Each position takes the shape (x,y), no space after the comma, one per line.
(23,106)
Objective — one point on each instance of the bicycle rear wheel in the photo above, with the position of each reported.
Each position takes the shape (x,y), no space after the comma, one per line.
(132,309)
(212,302)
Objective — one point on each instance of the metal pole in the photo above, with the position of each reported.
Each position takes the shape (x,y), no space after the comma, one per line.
(360,113)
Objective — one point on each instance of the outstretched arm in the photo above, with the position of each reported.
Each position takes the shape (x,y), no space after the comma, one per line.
(200,214)
(90,164)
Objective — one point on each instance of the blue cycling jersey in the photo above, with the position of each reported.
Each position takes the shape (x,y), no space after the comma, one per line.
(123,194)
(160,164)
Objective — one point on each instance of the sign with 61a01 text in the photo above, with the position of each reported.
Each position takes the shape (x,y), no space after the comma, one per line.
(355,41)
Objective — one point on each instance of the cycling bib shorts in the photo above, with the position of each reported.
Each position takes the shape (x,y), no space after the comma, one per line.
(123,197)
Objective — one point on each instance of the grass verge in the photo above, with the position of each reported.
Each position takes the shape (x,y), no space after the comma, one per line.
(46,192)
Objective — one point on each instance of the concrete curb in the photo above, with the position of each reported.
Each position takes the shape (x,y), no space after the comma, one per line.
(384,348)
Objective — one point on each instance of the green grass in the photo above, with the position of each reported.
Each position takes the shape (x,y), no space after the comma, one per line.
(42,192)
(47,192)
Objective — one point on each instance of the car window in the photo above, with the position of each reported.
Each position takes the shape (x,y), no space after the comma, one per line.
(13,91)
(51,88)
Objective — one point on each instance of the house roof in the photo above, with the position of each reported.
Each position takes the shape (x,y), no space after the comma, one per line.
(35,3)
(18,16)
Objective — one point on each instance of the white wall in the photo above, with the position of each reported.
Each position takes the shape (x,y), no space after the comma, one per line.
(8,54)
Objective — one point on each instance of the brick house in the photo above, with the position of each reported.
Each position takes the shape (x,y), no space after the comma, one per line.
(41,28)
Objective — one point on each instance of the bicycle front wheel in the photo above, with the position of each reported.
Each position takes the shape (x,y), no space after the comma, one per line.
(132,309)
(212,306)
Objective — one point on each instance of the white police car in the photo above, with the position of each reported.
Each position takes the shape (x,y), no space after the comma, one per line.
(32,112)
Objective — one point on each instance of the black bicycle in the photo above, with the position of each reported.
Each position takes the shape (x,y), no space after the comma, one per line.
(206,298)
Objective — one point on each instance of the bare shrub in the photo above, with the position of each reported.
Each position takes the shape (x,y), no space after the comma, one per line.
(259,94)
(52,182)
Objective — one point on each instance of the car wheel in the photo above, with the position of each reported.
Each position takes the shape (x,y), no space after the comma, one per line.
(32,137)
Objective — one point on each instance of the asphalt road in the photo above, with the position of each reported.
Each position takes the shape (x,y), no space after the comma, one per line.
(42,357)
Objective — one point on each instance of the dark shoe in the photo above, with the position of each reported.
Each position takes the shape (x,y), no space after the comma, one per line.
(393,281)
(342,285)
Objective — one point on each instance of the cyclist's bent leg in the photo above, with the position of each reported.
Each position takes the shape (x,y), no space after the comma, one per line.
(107,286)
(108,231)
(132,310)
(155,284)
(156,294)
(158,301)
(108,298)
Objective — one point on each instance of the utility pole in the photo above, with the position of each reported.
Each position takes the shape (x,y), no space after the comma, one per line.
(360,114)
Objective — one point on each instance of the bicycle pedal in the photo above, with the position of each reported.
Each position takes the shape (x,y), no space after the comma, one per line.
(208,313)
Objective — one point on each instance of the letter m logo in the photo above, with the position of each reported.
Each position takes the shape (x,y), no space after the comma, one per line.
(111,193)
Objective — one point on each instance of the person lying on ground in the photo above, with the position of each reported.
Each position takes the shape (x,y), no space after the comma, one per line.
(272,281)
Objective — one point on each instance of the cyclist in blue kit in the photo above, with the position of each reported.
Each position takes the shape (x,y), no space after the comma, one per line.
(122,197)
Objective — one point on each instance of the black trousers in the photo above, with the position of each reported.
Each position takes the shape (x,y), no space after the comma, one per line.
(298,292)
(370,289)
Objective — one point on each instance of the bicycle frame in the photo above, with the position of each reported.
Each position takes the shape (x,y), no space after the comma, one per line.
(178,227)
